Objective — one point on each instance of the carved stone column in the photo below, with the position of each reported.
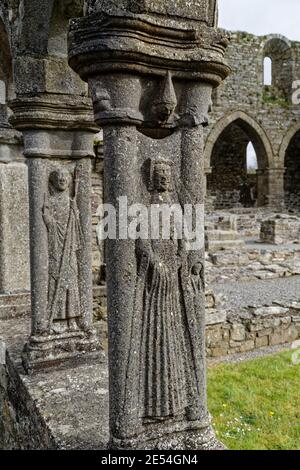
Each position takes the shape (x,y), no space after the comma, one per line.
(58,144)
(151,68)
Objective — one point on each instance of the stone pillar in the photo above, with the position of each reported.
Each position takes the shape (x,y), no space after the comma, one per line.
(151,68)
(14,236)
(58,145)
(275,196)
(262,187)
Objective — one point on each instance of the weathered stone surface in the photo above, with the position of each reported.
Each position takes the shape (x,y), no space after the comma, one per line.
(238,332)
(284,336)
(50,411)
(61,276)
(270,311)
(280,229)
(204,10)
(262,342)
(215,316)
(53,110)
(152,101)
(221,234)
(14,305)
(14,232)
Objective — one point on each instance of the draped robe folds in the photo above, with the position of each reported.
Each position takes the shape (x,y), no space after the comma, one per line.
(64,240)
(164,370)
(157,344)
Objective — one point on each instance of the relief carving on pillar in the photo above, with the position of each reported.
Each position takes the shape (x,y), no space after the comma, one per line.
(151,95)
(168,299)
(65,240)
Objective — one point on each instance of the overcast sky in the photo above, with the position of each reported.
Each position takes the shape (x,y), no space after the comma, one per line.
(261,16)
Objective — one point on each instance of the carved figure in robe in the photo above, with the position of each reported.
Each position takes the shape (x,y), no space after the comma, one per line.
(65,239)
(164,352)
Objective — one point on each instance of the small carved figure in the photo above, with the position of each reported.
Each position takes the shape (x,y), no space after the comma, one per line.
(65,239)
(197,278)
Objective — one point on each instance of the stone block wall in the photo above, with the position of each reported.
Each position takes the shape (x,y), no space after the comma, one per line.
(254,328)
(253,264)
(280,229)
(21,425)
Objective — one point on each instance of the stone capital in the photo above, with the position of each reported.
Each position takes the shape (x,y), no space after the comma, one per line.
(117,39)
(53,111)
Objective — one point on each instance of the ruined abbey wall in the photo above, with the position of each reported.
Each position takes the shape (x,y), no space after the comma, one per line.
(245,110)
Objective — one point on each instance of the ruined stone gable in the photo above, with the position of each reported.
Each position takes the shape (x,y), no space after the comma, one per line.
(261,114)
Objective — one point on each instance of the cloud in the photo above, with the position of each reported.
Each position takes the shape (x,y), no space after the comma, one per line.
(261,17)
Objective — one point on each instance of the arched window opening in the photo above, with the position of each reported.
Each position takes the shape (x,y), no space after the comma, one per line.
(252,163)
(278,69)
(267,71)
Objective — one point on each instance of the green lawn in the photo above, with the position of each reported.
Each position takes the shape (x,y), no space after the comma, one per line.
(256,404)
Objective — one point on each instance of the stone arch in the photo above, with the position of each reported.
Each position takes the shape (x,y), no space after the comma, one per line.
(229,140)
(261,142)
(292,131)
(289,157)
(279,49)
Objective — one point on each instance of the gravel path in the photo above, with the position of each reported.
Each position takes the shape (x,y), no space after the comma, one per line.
(257,293)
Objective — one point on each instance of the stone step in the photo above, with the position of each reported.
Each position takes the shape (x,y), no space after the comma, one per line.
(224,245)
(223,235)
(230,259)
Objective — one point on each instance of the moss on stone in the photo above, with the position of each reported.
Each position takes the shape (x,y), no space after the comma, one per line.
(273,97)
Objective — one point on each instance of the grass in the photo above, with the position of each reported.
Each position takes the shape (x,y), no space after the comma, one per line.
(256,404)
(273,97)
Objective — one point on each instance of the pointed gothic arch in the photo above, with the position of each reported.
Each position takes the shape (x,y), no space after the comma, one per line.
(226,155)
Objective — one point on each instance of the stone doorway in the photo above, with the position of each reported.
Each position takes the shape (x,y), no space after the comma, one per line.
(238,163)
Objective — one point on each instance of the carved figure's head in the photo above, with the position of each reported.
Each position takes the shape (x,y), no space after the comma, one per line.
(60,179)
(162,176)
(197,269)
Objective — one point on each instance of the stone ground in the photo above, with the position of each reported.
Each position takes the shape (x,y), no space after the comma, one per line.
(257,293)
